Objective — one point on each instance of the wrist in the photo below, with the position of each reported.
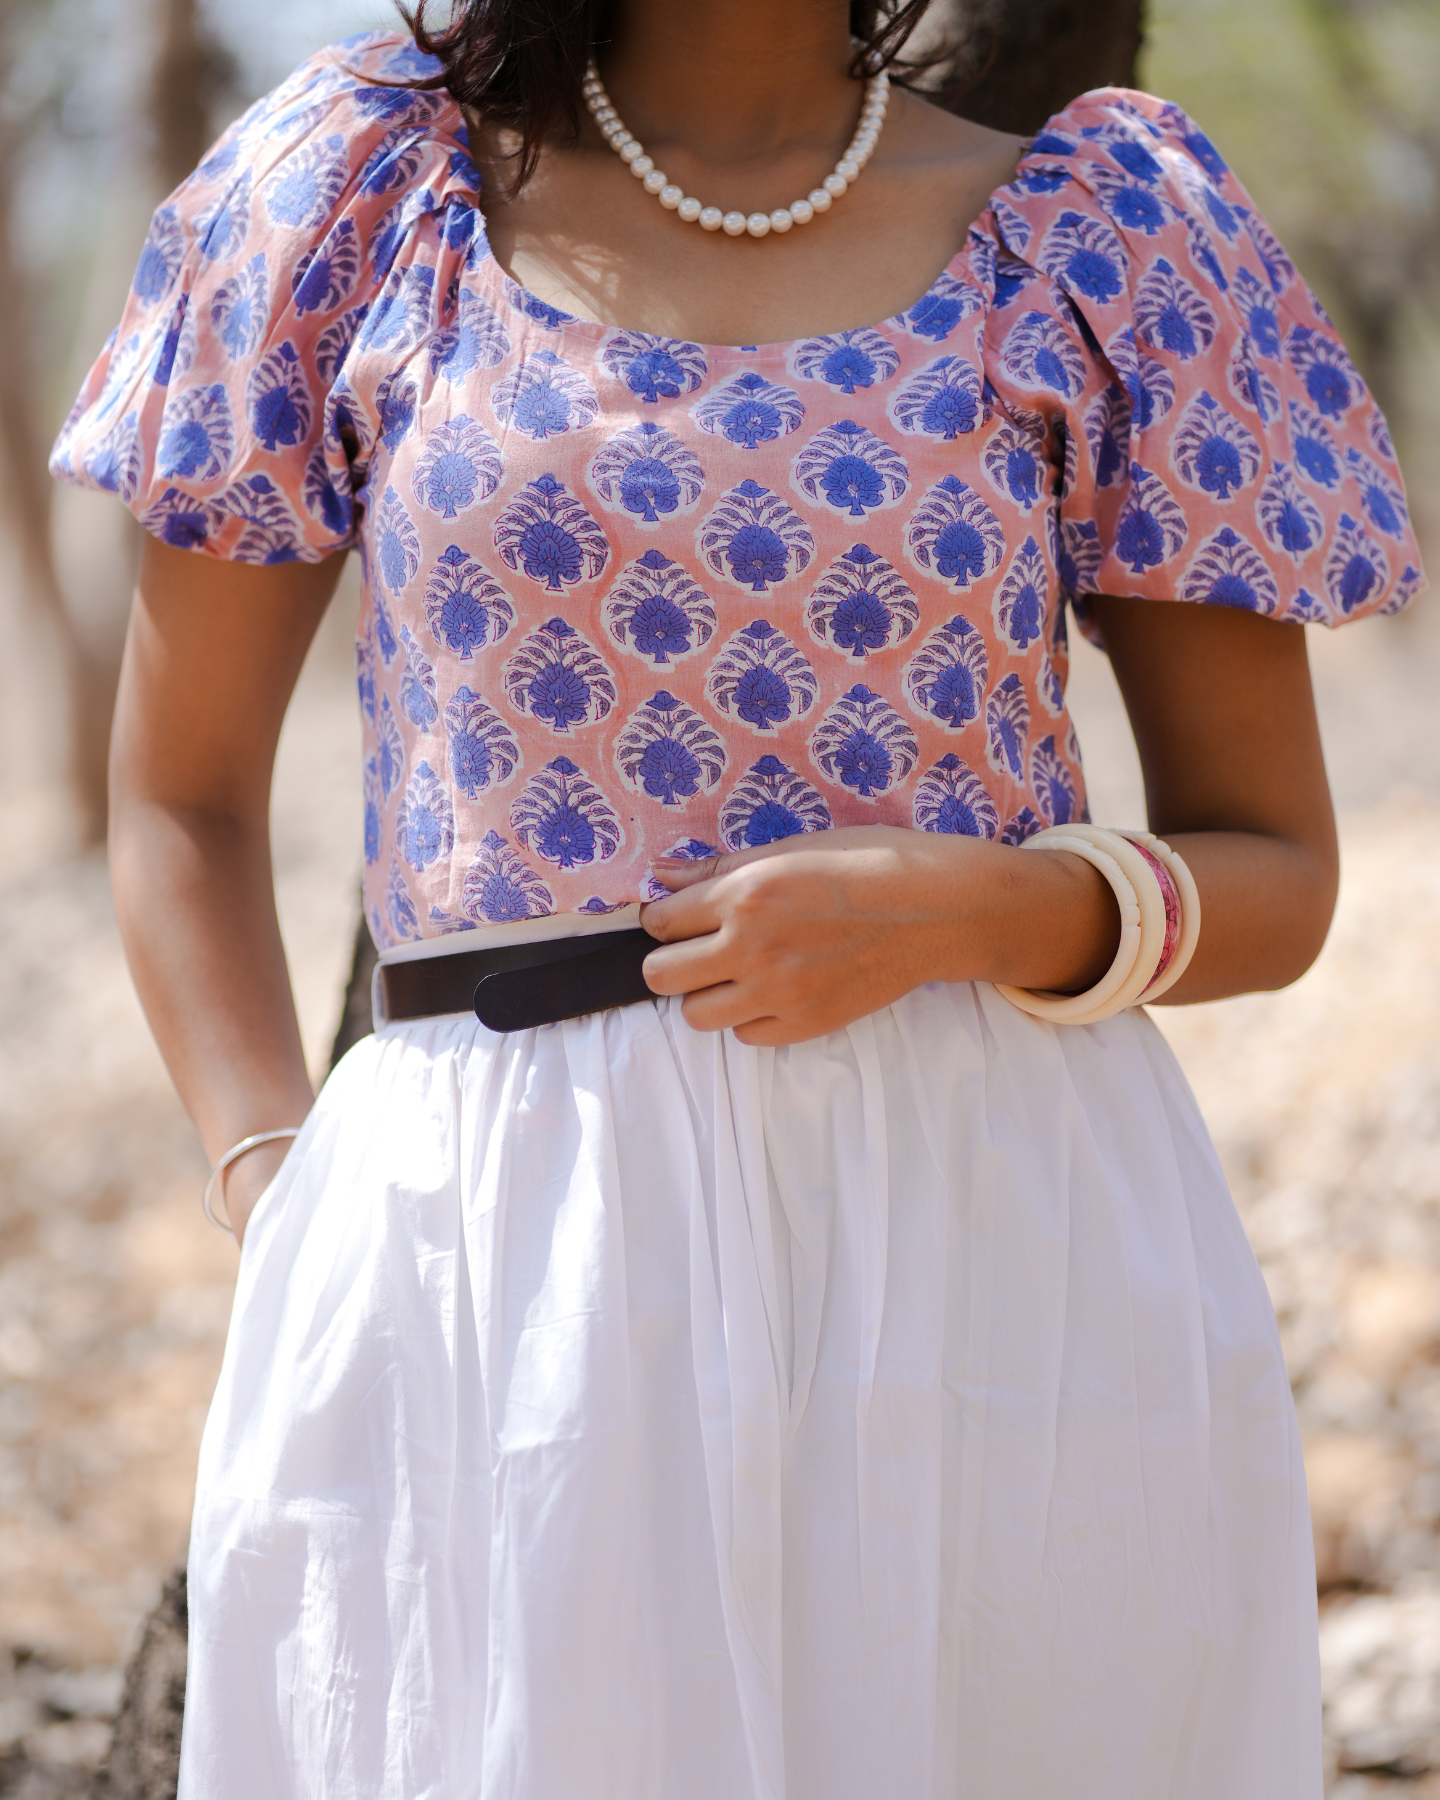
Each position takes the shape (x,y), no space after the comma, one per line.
(1055,924)
(240,1187)
(245,1157)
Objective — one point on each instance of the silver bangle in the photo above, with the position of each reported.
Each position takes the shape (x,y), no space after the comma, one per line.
(234,1154)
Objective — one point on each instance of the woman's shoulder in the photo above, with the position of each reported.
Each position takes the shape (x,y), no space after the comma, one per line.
(1140,165)
(347,128)
(1127,130)
(295,241)
(366,82)
(1220,444)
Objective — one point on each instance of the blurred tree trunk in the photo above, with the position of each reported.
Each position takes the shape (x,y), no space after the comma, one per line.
(186,75)
(25,495)
(144,1759)
(355,1011)
(1383,277)
(1025,59)
(189,71)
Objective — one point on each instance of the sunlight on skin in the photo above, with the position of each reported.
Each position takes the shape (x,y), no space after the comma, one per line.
(749,104)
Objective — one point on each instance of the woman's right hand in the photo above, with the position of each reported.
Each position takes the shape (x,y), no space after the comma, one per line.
(211,659)
(246,1180)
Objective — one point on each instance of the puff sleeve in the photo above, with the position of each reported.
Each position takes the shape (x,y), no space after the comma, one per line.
(1219,446)
(220,411)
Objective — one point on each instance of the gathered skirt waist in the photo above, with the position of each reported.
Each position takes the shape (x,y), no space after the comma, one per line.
(618,1412)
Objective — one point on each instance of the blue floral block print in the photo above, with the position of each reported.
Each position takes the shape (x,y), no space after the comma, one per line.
(598,563)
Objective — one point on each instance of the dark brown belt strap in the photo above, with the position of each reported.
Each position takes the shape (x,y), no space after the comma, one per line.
(512,987)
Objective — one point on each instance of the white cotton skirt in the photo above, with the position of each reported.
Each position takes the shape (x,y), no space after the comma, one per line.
(615,1412)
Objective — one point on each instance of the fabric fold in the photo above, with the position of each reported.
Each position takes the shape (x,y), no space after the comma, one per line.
(617,1411)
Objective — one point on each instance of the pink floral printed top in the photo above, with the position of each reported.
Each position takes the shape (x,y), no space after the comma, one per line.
(626,593)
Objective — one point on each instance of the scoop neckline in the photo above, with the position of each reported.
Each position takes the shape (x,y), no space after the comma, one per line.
(571,325)
(593,331)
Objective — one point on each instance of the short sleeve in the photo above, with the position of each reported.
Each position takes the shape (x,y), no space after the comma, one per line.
(219,411)
(1219,445)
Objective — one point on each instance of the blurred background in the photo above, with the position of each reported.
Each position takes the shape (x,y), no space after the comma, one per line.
(1324,1100)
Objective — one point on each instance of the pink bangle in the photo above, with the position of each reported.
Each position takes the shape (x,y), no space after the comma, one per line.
(1174,914)
(1176,961)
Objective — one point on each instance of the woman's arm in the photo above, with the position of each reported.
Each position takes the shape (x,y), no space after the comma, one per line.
(212,656)
(1224,719)
(798,938)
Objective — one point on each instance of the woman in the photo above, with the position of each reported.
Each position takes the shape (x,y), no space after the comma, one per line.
(828,1378)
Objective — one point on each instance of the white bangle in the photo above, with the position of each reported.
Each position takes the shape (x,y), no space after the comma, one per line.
(1185,887)
(234,1154)
(1142,928)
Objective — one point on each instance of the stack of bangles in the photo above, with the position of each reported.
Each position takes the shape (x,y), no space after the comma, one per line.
(1159,923)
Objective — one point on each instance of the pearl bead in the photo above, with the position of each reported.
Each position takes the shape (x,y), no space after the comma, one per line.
(737,224)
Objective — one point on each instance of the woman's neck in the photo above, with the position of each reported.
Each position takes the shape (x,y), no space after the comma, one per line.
(731,80)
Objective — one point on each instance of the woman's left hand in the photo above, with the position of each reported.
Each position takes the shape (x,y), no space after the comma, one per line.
(797,938)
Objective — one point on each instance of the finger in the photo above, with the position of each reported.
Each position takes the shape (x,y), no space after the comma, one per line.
(773,1033)
(693,963)
(690,913)
(681,871)
(728,1005)
(676,872)
(765,1034)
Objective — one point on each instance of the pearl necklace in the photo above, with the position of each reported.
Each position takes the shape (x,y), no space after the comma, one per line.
(737,224)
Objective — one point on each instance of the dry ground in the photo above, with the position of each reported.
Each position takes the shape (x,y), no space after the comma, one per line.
(114,1293)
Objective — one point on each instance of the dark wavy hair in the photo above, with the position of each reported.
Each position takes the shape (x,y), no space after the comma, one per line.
(521,62)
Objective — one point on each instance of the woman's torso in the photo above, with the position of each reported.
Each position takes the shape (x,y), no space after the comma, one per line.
(625,592)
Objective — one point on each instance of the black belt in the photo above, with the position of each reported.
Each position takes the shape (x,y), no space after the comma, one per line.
(515,986)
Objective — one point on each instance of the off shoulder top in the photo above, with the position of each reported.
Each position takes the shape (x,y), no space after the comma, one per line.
(627,594)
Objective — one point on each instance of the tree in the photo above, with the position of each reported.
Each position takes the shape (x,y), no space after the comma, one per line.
(1382,261)
(25,488)
(187,72)
(1326,111)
